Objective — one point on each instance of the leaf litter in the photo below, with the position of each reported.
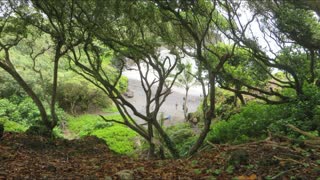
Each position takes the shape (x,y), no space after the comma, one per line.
(33,157)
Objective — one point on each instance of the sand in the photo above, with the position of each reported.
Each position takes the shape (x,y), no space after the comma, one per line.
(171,107)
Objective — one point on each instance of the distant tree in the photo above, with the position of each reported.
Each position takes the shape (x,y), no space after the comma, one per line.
(186,80)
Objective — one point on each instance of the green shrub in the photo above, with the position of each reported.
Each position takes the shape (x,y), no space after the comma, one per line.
(77,95)
(252,122)
(23,111)
(28,111)
(123,84)
(255,119)
(38,130)
(57,132)
(8,86)
(85,124)
(118,138)
(183,136)
(20,110)
(11,126)
(302,112)
(7,108)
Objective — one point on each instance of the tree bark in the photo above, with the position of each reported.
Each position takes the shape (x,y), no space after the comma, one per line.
(312,66)
(238,95)
(169,144)
(151,153)
(209,115)
(54,86)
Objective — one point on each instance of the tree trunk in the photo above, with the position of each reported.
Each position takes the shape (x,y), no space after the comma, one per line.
(208,116)
(30,92)
(54,87)
(238,95)
(185,107)
(151,153)
(312,66)
(169,144)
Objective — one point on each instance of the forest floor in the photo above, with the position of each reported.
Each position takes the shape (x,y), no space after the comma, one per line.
(32,157)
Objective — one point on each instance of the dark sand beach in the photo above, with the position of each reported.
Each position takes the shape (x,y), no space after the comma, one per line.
(171,107)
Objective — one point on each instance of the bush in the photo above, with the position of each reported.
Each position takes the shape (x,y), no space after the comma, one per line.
(122,85)
(28,111)
(7,108)
(8,86)
(183,136)
(255,119)
(85,124)
(77,95)
(20,110)
(11,126)
(118,137)
(38,130)
(302,112)
(224,104)
(252,122)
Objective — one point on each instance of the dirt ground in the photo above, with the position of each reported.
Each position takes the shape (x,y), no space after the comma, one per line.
(33,157)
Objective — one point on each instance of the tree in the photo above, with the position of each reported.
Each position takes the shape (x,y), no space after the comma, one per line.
(20,20)
(186,80)
(194,26)
(242,72)
(13,31)
(289,35)
(128,37)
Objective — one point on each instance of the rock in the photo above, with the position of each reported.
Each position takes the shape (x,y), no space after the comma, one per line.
(129,94)
(192,118)
(125,175)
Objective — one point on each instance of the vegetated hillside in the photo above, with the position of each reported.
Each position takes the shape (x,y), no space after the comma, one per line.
(29,157)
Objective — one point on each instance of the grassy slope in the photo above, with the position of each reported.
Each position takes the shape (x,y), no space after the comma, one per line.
(118,137)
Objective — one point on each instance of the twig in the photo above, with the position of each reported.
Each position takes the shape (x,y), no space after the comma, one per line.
(302,132)
(212,145)
(206,147)
(287,159)
(282,173)
(112,120)
(255,143)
